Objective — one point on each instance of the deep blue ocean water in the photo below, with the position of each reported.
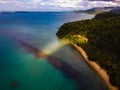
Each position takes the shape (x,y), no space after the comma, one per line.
(32,57)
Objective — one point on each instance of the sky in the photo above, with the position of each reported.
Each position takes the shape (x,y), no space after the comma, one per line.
(54,5)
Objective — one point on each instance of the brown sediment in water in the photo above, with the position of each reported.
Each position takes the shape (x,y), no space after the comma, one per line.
(59,64)
(64,67)
(96,67)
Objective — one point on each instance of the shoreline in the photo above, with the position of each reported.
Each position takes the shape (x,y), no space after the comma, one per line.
(103,74)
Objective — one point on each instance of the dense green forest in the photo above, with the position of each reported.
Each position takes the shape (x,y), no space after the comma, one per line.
(100,38)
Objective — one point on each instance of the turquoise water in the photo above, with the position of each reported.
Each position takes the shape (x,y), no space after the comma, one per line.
(24,36)
(32,74)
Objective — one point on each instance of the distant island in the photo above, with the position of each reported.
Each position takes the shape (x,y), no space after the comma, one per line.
(100,38)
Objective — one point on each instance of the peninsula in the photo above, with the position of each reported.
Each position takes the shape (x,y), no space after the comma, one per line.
(100,39)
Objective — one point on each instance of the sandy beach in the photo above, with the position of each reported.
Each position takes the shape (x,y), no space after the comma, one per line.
(96,67)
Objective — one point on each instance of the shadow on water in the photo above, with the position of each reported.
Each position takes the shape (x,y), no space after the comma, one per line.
(72,66)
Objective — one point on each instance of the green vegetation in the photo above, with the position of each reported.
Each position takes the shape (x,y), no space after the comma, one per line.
(106,15)
(100,38)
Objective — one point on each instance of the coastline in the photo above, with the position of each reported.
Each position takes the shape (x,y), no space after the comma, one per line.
(103,74)
(101,49)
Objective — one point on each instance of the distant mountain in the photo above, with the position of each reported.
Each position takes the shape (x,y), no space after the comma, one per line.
(11,12)
(96,10)
(6,12)
(115,10)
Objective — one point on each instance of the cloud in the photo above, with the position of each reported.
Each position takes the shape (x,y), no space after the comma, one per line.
(101,0)
(53,5)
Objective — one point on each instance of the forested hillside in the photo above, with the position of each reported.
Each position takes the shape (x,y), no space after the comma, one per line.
(100,38)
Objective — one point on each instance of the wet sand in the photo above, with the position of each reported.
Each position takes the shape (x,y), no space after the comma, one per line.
(96,67)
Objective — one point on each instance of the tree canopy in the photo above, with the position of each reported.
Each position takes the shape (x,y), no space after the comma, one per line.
(103,41)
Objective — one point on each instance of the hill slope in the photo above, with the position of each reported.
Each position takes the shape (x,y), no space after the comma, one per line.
(98,10)
(100,38)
